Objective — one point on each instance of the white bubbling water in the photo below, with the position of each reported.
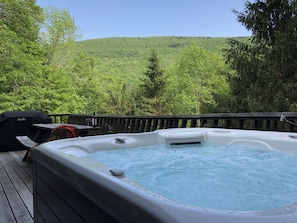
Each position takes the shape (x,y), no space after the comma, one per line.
(224,177)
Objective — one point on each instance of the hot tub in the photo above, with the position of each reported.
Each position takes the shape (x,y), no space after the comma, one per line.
(70,187)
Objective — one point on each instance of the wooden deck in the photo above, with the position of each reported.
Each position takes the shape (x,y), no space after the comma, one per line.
(16,188)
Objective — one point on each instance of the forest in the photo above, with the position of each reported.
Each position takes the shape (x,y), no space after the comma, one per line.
(121,64)
(45,67)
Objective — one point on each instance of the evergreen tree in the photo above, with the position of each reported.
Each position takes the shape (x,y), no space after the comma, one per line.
(266,68)
(153,84)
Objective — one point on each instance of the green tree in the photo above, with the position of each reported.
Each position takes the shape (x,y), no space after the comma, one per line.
(21,57)
(196,80)
(266,68)
(90,91)
(21,18)
(123,102)
(35,73)
(57,37)
(59,94)
(154,83)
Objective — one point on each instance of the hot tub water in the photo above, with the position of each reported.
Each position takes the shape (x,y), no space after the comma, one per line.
(222,177)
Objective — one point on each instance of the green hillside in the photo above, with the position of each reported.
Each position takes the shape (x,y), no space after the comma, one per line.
(139,47)
(127,57)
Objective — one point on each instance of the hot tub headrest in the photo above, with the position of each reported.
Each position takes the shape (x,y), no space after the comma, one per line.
(184,137)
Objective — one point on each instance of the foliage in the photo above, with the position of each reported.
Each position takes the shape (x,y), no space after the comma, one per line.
(123,101)
(43,68)
(196,81)
(60,94)
(121,63)
(21,18)
(154,81)
(266,68)
(127,57)
(20,54)
(58,34)
(88,90)
(153,84)
(28,81)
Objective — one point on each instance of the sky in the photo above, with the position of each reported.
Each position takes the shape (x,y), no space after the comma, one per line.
(147,18)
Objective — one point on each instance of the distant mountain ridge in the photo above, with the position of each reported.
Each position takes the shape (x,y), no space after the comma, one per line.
(124,59)
(139,47)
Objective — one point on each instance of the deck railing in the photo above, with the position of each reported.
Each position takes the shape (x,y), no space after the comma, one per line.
(104,124)
(59,118)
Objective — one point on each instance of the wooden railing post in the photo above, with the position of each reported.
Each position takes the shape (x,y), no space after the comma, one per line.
(143,123)
(184,123)
(193,123)
(162,124)
(155,124)
(241,124)
(215,123)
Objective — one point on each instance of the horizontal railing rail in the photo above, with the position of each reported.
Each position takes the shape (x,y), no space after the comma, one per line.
(104,124)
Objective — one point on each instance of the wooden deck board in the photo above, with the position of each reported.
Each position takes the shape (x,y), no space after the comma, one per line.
(16,199)
(6,214)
